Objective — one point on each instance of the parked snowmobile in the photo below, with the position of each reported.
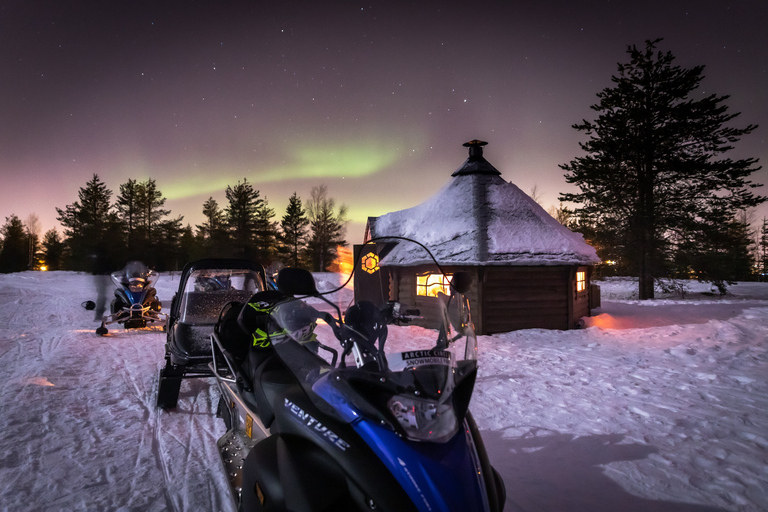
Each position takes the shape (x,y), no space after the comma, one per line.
(332,420)
(204,288)
(135,301)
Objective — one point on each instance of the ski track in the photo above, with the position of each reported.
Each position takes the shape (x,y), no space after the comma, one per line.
(79,410)
(669,417)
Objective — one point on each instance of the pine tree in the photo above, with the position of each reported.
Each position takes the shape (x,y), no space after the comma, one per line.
(214,219)
(53,250)
(326,229)
(293,232)
(719,253)
(213,232)
(763,250)
(240,215)
(127,206)
(14,255)
(653,169)
(92,230)
(191,247)
(265,233)
(167,244)
(150,206)
(140,208)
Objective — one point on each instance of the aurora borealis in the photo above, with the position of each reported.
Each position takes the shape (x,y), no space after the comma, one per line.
(373,99)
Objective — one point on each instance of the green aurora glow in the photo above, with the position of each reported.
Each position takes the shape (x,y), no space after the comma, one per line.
(312,161)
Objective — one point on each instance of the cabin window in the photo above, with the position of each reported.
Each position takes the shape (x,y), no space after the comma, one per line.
(429,285)
(581,281)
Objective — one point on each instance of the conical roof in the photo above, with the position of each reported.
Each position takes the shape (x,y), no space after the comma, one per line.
(480,219)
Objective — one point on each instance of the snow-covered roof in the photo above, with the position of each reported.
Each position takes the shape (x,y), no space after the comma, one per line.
(480,219)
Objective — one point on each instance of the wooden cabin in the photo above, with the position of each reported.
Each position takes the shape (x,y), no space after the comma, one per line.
(529,271)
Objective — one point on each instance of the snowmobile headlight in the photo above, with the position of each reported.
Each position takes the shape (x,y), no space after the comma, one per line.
(136,285)
(424,419)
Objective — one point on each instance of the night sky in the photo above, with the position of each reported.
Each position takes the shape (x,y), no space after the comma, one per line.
(373,99)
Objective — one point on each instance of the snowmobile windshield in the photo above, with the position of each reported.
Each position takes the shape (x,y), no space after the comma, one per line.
(409,366)
(207,290)
(135,277)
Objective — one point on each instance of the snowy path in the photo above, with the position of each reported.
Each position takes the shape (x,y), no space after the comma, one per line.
(80,430)
(665,411)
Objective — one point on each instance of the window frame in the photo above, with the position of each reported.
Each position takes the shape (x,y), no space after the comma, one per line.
(584,282)
(444,284)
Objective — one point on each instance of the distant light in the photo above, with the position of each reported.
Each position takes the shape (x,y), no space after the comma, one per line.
(43,268)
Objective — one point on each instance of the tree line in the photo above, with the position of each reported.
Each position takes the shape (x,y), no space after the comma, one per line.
(101,235)
(657,196)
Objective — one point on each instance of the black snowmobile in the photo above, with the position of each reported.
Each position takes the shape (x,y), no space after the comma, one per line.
(204,288)
(320,416)
(135,303)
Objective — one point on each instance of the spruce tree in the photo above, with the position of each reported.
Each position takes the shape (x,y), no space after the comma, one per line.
(127,206)
(654,166)
(265,233)
(293,232)
(240,214)
(150,208)
(92,230)
(167,244)
(14,255)
(214,218)
(763,251)
(213,232)
(191,247)
(718,253)
(53,250)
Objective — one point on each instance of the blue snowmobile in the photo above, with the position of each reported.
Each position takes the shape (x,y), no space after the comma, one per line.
(362,411)
(135,303)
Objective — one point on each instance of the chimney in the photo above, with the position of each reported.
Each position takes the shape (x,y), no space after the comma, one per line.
(476,164)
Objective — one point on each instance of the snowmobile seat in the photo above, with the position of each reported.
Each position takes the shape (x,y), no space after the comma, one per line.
(192,340)
(264,382)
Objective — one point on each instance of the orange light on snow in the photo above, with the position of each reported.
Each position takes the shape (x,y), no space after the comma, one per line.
(343,263)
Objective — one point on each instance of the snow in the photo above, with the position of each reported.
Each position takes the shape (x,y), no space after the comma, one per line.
(482,219)
(659,405)
(521,231)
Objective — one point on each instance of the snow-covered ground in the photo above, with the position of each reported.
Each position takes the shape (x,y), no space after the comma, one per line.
(660,406)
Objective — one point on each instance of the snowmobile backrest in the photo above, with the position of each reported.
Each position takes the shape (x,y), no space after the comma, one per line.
(255,313)
(461,282)
(204,307)
(296,281)
(232,337)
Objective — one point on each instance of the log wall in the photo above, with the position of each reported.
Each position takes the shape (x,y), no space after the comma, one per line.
(504,299)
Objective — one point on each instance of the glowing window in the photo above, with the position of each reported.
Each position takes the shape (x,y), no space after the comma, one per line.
(581,281)
(428,285)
